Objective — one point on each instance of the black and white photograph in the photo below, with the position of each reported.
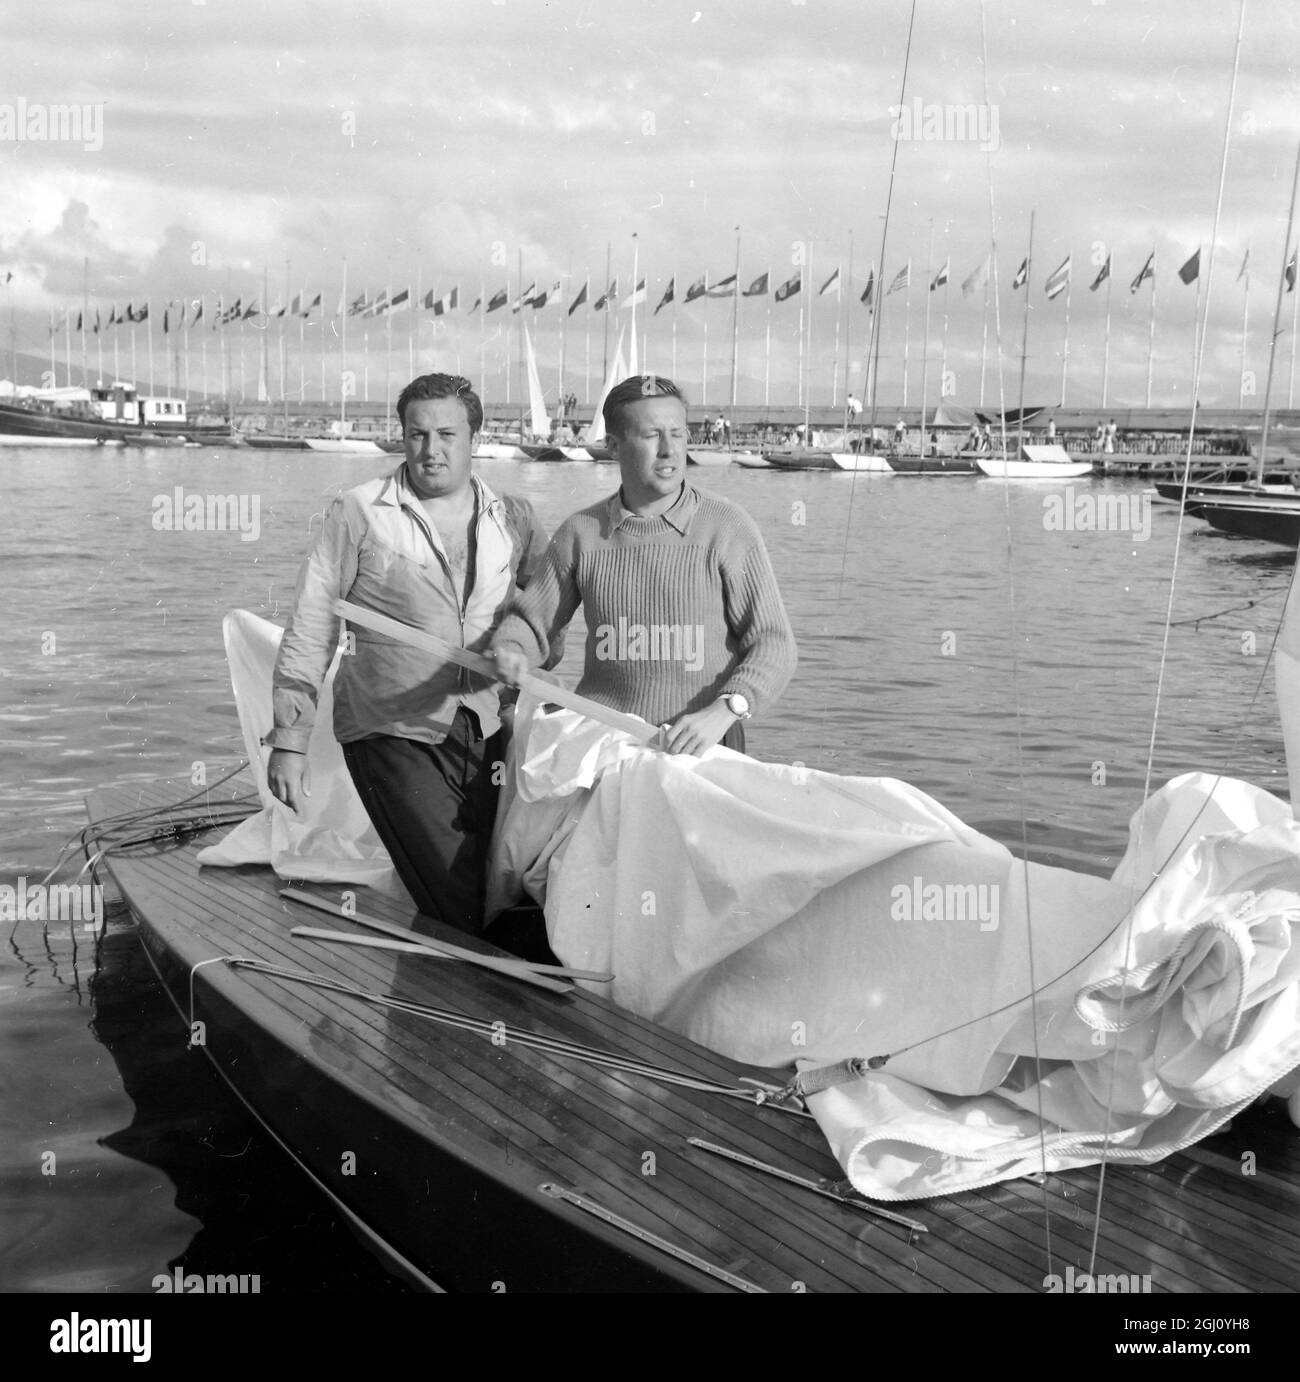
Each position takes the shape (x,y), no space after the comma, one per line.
(651,649)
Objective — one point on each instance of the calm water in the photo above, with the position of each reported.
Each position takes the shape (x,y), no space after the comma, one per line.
(913,663)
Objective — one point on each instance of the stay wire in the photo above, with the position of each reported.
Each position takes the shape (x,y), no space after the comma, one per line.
(1015,659)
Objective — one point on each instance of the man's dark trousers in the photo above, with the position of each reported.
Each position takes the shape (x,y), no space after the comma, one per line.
(433,806)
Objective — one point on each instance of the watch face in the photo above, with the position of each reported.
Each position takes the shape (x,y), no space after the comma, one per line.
(738,704)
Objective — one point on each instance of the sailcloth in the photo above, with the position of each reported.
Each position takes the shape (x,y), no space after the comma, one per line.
(538,419)
(618,371)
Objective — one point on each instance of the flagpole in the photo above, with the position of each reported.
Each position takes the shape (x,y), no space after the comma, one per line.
(186,323)
(388,358)
(1065,343)
(343,354)
(85,312)
(1024,343)
(303,314)
(767,350)
(604,366)
(799,400)
(482,334)
(1105,358)
(634,366)
(99,354)
(807,360)
(586,359)
(925,344)
(1245,327)
(848,337)
(1196,316)
(149,338)
(704,367)
(907,329)
(674,325)
(735,332)
(564,331)
(947,288)
(1277,316)
(1151,330)
(54,362)
(1295,303)
(984,347)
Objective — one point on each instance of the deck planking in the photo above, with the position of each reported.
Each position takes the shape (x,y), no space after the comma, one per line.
(508,1118)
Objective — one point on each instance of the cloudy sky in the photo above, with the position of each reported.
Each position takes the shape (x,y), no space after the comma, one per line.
(433,144)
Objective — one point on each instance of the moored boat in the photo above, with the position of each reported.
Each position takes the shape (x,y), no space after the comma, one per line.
(1043,462)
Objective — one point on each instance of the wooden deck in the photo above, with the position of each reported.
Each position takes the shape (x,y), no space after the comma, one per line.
(453,1136)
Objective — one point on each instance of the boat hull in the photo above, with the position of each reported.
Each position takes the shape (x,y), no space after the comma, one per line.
(1270,520)
(1002,469)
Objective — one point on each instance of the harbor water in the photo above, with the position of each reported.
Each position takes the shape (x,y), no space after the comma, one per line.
(1029,654)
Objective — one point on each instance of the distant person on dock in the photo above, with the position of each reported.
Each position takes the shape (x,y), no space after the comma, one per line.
(685,624)
(433,547)
(1111,433)
(900,435)
(1051,429)
(1098,436)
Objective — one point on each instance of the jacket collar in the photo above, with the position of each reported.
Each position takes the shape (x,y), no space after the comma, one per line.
(678,516)
(396,492)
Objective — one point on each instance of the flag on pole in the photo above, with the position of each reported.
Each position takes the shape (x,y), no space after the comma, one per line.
(1022,275)
(166,316)
(581,298)
(401,302)
(789,288)
(976,279)
(1148,270)
(832,282)
(1056,284)
(143,314)
(698,288)
(1191,271)
(312,306)
(252,310)
(498,299)
(635,297)
(525,297)
(604,299)
(668,295)
(1289,274)
(902,278)
(278,310)
(95,328)
(1245,265)
(112,315)
(723,288)
(79,320)
(198,314)
(1102,275)
(378,307)
(941,277)
(448,302)
(428,300)
(757,289)
(545,299)
(869,291)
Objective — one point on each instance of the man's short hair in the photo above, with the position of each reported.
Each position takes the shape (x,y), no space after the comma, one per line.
(633,390)
(442,386)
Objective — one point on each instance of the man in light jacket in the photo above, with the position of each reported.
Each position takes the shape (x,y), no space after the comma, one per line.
(431,546)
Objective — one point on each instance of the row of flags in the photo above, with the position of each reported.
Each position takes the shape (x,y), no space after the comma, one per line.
(388,303)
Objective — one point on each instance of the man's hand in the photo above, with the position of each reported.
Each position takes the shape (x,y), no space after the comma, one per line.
(286,775)
(700,731)
(512,665)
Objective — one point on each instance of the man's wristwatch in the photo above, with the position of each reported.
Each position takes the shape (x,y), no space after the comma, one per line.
(737,704)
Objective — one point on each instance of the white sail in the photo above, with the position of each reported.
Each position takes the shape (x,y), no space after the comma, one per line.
(538,419)
(618,371)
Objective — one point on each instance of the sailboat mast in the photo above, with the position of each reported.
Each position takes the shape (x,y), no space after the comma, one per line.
(343,353)
(519,309)
(807,392)
(847,297)
(1277,315)
(925,345)
(735,330)
(1024,336)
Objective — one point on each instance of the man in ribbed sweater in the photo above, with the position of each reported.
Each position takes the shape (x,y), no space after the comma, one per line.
(685,625)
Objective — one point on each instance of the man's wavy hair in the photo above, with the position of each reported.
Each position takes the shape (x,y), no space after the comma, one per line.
(633,390)
(442,386)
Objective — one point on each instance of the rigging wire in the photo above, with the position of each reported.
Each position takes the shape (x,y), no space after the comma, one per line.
(1017,711)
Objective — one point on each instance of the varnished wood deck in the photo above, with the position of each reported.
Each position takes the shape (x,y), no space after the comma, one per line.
(453,1137)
